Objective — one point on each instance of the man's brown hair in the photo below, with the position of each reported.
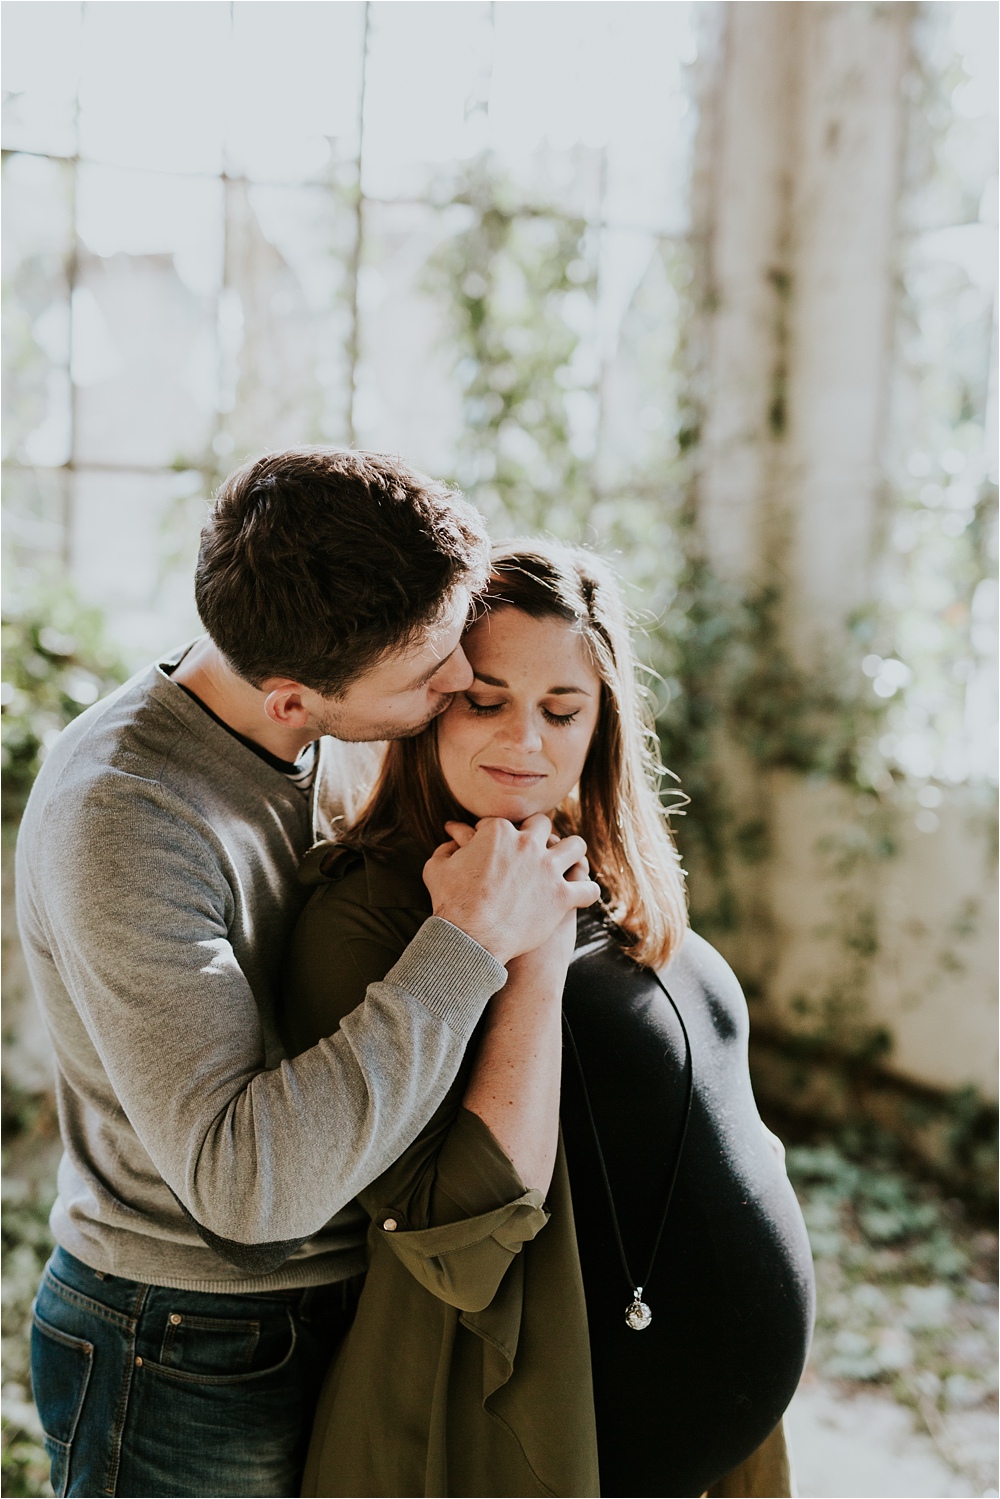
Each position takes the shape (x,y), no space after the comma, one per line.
(316,561)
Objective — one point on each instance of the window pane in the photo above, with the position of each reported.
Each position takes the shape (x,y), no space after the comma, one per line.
(407,398)
(641,312)
(144,363)
(150,213)
(41,61)
(285,319)
(424,93)
(517,289)
(574,81)
(152,91)
(295,93)
(35,527)
(38,243)
(120,562)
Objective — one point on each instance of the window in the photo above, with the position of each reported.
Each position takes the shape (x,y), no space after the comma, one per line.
(453,231)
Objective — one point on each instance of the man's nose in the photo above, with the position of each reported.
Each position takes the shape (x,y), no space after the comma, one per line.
(453,675)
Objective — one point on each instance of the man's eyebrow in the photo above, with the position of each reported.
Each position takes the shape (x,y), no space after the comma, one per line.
(552,692)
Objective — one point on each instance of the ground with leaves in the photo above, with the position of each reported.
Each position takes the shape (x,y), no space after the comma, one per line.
(906,1302)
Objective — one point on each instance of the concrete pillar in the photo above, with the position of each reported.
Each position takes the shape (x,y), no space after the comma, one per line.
(796,189)
(845,187)
(744,162)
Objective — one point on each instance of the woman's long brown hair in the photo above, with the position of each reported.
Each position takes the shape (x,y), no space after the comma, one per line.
(617,808)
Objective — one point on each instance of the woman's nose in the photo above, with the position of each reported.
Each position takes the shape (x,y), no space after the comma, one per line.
(520,730)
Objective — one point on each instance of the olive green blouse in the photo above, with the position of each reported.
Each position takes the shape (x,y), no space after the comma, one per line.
(467,1369)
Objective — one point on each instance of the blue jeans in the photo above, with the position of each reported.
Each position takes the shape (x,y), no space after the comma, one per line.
(148,1391)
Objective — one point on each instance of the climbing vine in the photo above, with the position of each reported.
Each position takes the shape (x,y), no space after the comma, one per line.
(514,277)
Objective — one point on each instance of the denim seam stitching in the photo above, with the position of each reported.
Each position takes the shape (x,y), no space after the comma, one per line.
(117,1431)
(88,1304)
(69,1340)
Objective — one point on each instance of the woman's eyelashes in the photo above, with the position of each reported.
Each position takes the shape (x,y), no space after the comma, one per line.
(482,710)
(487,710)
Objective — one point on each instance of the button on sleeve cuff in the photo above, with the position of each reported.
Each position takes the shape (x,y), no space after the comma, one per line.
(463,1263)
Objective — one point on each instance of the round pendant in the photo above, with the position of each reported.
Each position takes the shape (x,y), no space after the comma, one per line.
(637,1315)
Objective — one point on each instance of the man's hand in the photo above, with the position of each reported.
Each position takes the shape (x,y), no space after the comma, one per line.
(505,887)
(544,968)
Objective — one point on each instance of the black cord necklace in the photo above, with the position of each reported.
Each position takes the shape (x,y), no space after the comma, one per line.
(637,1314)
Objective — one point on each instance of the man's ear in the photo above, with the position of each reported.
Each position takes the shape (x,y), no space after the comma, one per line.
(283,703)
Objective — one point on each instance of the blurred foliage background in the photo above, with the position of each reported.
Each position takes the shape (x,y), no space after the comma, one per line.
(57,660)
(570,257)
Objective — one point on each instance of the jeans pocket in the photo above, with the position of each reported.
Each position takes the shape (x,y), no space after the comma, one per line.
(60,1373)
(208,1345)
(224,1351)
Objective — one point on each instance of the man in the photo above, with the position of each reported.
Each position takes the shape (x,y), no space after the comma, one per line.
(207,1247)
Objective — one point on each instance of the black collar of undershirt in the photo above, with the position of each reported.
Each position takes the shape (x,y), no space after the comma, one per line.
(286,767)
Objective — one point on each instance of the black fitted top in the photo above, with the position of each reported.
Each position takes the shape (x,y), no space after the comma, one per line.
(731,1292)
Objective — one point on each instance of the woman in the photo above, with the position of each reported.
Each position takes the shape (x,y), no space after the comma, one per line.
(642,1331)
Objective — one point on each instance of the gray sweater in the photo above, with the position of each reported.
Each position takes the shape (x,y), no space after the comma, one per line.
(157,892)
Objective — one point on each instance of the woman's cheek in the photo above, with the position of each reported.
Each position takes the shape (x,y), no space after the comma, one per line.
(573,759)
(466,736)
(455,748)
(577,756)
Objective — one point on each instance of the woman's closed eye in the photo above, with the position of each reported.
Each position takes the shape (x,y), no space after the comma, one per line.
(487,710)
(482,710)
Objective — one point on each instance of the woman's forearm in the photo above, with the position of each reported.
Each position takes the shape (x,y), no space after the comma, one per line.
(514,1087)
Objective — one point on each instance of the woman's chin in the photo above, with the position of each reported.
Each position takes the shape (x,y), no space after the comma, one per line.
(510,806)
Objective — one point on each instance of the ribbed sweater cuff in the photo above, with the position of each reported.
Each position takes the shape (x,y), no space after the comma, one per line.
(448,973)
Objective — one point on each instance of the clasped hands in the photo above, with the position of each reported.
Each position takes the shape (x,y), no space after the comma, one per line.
(514,890)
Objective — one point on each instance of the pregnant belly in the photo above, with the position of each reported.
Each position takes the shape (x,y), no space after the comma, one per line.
(689,1398)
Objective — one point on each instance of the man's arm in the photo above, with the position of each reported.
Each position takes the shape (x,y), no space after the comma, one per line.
(135,912)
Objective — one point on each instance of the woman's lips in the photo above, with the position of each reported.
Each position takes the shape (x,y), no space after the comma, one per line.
(507,777)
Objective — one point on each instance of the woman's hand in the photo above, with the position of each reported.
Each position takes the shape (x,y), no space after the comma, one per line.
(545,967)
(547,964)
